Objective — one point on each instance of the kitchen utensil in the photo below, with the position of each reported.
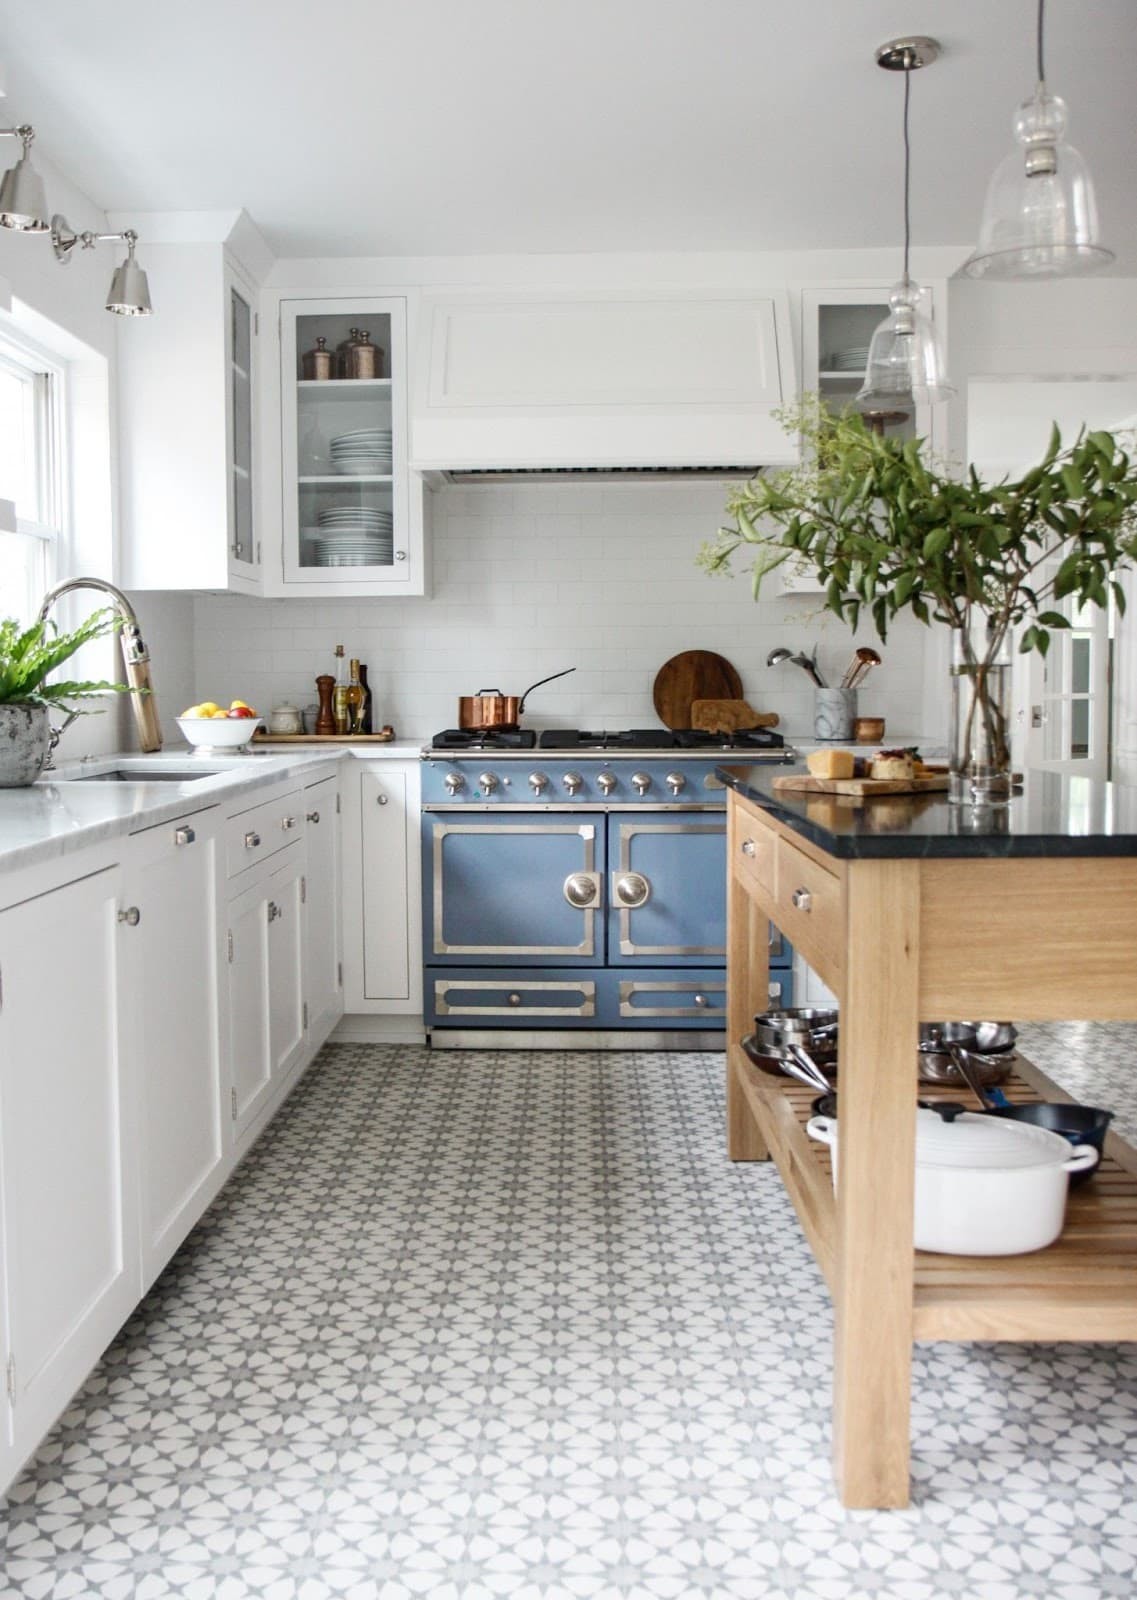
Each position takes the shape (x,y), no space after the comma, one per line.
(963,1061)
(319,362)
(867,658)
(786,1065)
(689,676)
(992,1037)
(809,666)
(978,1191)
(778,655)
(868,730)
(489,709)
(815,1027)
(285,719)
(808,1069)
(935,1065)
(1078,1124)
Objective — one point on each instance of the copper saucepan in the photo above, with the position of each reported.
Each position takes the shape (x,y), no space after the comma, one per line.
(490,710)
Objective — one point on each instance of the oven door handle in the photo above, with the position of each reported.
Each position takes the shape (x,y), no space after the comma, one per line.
(582,890)
(630,889)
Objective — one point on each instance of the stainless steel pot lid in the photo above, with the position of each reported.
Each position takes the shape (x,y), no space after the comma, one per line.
(970,1139)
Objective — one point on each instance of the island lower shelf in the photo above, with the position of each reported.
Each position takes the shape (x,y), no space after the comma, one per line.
(1083,1287)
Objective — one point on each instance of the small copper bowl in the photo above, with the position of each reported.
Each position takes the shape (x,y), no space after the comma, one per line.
(868,730)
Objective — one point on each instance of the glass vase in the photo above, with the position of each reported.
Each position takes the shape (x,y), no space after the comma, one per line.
(980,753)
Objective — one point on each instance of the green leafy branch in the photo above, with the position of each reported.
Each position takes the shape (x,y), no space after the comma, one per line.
(28,656)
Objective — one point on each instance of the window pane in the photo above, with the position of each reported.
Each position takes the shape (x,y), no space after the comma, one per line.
(19,479)
(23,575)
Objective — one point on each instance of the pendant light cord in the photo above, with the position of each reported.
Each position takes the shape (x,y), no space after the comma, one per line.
(1041,63)
(908,162)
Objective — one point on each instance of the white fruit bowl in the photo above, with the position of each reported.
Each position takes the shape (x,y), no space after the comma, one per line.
(210,735)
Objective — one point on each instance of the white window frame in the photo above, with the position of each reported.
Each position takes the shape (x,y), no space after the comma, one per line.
(49,378)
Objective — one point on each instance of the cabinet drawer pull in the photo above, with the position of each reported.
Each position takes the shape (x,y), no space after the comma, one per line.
(287,822)
(252,841)
(701,1000)
(131,916)
(381,799)
(312,816)
(748,847)
(184,836)
(274,911)
(801,900)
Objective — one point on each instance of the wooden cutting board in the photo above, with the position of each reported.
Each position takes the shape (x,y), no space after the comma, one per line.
(862,788)
(692,675)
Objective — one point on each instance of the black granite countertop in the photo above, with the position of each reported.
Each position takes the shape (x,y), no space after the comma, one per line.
(1053,815)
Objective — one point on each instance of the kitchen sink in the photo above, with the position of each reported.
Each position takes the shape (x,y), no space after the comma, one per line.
(152,775)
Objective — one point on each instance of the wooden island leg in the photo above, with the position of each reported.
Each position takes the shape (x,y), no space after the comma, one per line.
(748,979)
(872,1357)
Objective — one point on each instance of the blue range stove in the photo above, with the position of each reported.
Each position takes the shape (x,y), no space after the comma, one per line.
(574,888)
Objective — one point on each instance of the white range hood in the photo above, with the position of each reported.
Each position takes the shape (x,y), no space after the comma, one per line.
(605,386)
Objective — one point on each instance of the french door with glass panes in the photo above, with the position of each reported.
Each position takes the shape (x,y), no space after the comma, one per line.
(1064,699)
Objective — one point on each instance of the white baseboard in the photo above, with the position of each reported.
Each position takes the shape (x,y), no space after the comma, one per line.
(359,1029)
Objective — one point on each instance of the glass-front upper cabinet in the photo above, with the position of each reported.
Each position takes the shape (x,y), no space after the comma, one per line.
(347,523)
(239,357)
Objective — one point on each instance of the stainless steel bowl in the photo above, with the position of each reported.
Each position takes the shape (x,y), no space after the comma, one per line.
(936,1066)
(992,1037)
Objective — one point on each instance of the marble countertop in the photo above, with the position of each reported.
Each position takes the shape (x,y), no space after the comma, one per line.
(57,816)
(1052,816)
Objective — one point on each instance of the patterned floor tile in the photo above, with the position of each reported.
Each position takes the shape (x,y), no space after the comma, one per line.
(474,1325)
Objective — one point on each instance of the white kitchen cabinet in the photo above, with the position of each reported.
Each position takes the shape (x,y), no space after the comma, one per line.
(324,549)
(324,948)
(265,952)
(172,1027)
(71,1272)
(187,429)
(382,888)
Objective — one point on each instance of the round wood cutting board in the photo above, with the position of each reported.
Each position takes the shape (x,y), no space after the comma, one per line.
(692,675)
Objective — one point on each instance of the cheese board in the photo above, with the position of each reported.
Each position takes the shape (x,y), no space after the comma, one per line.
(860,788)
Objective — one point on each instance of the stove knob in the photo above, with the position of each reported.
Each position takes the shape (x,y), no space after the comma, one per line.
(675,781)
(641,782)
(606,781)
(454,781)
(487,781)
(573,781)
(538,782)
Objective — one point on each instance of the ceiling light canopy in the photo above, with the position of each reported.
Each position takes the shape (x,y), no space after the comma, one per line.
(1040,218)
(906,366)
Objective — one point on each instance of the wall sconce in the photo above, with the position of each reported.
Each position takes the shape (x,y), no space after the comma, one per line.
(23,208)
(23,203)
(129,293)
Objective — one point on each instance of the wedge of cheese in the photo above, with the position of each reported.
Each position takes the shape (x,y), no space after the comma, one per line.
(831,763)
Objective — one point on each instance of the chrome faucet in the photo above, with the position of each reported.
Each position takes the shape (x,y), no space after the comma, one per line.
(135,655)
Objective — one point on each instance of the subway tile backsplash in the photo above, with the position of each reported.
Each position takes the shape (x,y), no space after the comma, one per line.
(527,580)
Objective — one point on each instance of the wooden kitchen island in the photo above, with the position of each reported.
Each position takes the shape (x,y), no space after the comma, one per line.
(911,909)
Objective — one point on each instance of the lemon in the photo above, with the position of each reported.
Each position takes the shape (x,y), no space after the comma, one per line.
(194,711)
(208,708)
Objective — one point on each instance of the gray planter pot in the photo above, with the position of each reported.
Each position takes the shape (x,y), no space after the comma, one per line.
(25,739)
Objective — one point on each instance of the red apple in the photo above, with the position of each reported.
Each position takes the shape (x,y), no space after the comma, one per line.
(241,711)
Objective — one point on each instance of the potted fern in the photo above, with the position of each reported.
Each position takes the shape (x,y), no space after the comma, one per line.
(28,656)
(888,530)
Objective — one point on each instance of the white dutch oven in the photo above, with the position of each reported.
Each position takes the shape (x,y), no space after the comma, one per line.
(984,1187)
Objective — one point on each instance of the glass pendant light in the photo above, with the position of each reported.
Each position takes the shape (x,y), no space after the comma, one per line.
(906,366)
(1040,217)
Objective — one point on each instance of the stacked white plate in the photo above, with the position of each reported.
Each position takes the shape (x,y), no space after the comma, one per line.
(352,536)
(363,452)
(854,360)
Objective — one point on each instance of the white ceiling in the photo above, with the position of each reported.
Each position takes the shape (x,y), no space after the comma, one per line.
(402,127)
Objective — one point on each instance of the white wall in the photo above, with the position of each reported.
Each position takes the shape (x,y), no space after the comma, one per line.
(528,580)
(63,309)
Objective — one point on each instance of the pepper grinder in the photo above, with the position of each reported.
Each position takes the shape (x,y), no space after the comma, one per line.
(325,688)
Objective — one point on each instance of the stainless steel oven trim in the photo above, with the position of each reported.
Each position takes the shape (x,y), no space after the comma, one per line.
(632,986)
(587,946)
(584,807)
(586,989)
(628,946)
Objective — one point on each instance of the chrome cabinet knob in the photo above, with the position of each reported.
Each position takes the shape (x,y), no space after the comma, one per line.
(487,781)
(606,782)
(400,555)
(701,1000)
(184,835)
(801,900)
(675,781)
(582,889)
(312,816)
(641,782)
(514,998)
(381,798)
(748,847)
(252,841)
(630,889)
(131,916)
(538,782)
(573,782)
(287,823)
(454,781)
